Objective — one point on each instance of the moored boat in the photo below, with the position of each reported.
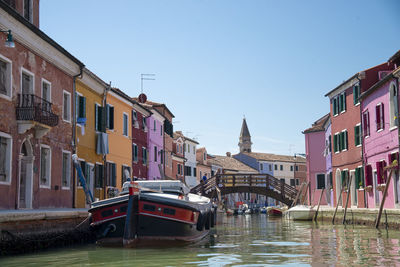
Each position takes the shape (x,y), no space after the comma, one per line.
(300,212)
(165,211)
(274,211)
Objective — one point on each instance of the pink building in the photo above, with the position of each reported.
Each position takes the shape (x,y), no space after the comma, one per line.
(379,107)
(316,164)
(155,146)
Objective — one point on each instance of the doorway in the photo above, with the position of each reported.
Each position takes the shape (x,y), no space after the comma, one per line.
(25,176)
(338,185)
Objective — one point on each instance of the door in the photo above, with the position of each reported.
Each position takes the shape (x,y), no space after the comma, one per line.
(22,185)
(376,191)
(396,188)
(25,176)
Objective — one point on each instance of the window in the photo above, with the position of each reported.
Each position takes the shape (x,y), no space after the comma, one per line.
(135,152)
(343,139)
(381,172)
(45,163)
(98,176)
(357,135)
(282,180)
(161,156)
(155,154)
(393,108)
(365,122)
(5,77)
(356,94)
(345,177)
(144,126)
(359,173)
(154,122)
(340,141)
(339,103)
(161,130)
(99,118)
(5,158)
(281,168)
(194,150)
(67,106)
(66,169)
(291,168)
(110,117)
(80,108)
(320,181)
(125,126)
(297,181)
(46,95)
(179,168)
(184,147)
(125,175)
(28,10)
(204,155)
(111,174)
(292,182)
(194,171)
(144,155)
(380,119)
(330,143)
(188,147)
(297,168)
(201,175)
(188,171)
(27,82)
(261,166)
(135,119)
(270,167)
(276,167)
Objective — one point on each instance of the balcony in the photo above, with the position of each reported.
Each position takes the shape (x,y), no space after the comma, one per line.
(33,111)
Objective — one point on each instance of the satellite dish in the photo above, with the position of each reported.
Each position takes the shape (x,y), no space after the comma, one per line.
(142,98)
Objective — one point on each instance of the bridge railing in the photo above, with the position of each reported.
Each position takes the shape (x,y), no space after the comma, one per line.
(246,180)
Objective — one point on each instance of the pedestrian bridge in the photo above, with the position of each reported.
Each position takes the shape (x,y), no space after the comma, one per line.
(262,184)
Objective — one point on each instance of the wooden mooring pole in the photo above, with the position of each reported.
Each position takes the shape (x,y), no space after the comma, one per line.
(132,216)
(347,198)
(298,194)
(337,204)
(319,202)
(391,167)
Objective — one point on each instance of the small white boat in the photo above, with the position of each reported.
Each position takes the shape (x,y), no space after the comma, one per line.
(300,212)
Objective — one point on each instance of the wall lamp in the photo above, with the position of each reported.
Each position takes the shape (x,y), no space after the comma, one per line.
(9,41)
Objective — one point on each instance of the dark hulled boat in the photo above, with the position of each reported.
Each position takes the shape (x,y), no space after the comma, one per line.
(165,211)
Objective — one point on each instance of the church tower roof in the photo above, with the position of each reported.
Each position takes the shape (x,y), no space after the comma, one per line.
(245,131)
(245,138)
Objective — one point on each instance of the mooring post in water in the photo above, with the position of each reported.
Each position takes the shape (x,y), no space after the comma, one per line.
(298,194)
(337,204)
(132,216)
(305,194)
(391,167)
(347,199)
(319,202)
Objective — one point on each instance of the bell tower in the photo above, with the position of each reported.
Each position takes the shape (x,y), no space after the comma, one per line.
(245,138)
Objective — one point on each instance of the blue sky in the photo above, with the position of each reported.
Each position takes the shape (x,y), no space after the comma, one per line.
(218,60)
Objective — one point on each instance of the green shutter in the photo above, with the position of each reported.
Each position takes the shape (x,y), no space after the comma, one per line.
(346,138)
(111,118)
(354,95)
(344,101)
(100,119)
(335,143)
(82,107)
(335,110)
(358,178)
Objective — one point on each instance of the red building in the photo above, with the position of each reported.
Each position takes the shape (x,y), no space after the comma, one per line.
(346,131)
(36,113)
(139,141)
(178,158)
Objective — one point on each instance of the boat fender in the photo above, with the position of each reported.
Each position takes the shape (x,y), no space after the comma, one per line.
(201,220)
(110,228)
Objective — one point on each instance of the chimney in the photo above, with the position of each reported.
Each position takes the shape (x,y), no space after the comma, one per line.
(228,154)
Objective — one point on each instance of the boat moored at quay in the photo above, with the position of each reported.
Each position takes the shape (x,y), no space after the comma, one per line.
(163,210)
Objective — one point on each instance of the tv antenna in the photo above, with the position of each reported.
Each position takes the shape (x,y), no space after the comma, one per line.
(146,77)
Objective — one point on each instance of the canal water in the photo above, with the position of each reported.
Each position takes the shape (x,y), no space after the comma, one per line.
(245,240)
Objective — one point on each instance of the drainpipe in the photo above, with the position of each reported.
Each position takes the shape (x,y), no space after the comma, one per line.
(74,131)
(108,88)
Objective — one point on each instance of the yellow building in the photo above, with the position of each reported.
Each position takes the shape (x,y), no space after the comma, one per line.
(119,123)
(90,92)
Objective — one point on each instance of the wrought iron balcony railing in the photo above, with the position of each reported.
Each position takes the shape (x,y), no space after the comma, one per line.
(33,108)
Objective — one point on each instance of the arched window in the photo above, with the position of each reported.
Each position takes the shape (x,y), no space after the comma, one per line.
(393,106)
